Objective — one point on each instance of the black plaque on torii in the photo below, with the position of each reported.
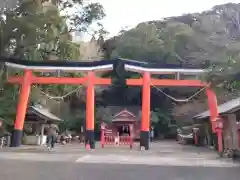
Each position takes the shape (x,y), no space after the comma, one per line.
(119,73)
(119,80)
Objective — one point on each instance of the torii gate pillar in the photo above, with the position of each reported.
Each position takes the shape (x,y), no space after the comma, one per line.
(145,124)
(90,109)
(21,109)
(216,121)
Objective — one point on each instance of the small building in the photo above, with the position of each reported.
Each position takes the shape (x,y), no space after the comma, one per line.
(36,120)
(120,124)
(230,113)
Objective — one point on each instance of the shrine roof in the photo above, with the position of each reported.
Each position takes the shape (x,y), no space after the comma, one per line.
(225,108)
(115,110)
(99,65)
(43,113)
(124,113)
(124,116)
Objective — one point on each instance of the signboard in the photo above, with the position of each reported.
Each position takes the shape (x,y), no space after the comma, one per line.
(108,132)
(219,124)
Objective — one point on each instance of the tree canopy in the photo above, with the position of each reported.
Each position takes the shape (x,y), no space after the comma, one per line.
(209,39)
(199,39)
(42,30)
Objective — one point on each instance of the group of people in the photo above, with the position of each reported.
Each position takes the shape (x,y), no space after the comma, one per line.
(53,137)
(1,129)
(52,134)
(2,134)
(4,141)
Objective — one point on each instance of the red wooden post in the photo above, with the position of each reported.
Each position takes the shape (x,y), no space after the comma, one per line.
(239,138)
(219,131)
(195,139)
(131,135)
(118,139)
(22,108)
(216,122)
(102,135)
(213,107)
(144,136)
(195,133)
(90,105)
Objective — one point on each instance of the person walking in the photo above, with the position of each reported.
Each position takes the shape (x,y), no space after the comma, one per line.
(1,134)
(152,133)
(52,136)
(1,129)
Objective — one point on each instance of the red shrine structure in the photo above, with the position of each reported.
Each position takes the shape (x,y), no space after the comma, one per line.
(120,125)
(91,80)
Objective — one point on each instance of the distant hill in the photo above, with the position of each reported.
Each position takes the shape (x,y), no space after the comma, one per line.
(199,39)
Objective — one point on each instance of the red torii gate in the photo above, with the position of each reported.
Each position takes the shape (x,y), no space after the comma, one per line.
(91,80)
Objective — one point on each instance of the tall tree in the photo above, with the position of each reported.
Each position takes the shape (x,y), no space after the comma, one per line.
(39,30)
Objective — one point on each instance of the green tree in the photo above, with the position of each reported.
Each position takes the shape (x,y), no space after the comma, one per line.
(225,76)
(140,43)
(40,30)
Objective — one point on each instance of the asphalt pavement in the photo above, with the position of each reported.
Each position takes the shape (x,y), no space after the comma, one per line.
(29,170)
(165,161)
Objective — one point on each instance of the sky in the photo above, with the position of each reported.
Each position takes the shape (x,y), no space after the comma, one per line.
(128,13)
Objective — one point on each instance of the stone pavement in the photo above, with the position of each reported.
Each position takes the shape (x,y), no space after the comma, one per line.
(30,170)
(153,160)
(167,153)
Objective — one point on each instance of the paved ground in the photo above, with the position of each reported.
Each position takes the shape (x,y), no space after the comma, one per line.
(166,160)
